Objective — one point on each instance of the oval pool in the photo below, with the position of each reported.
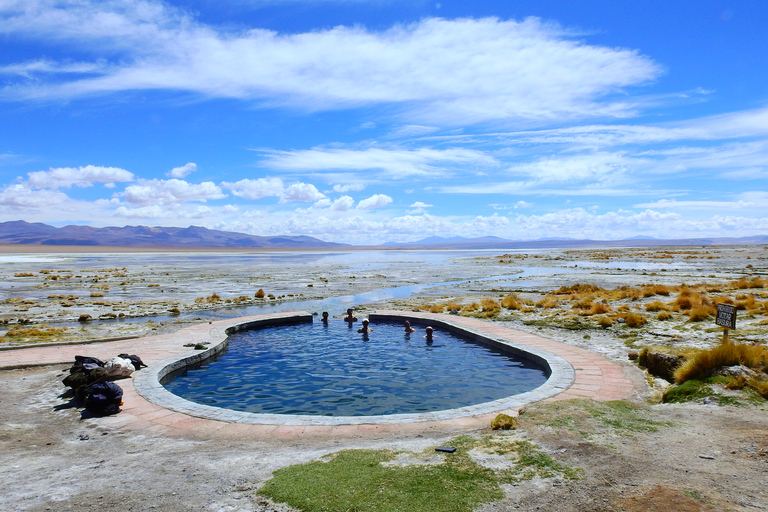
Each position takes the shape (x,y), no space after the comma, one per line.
(332,370)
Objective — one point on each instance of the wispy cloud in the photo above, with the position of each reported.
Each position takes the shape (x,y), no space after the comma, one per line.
(392,162)
(443,72)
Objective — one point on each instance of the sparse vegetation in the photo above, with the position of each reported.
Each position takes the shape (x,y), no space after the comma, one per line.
(345,480)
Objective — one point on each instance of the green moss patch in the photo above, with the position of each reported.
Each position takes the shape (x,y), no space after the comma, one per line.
(368,481)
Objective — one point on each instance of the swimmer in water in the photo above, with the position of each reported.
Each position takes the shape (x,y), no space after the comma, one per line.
(350,317)
(325,317)
(408,327)
(429,335)
(365,329)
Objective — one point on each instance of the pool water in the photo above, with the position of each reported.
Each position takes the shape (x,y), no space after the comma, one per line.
(332,370)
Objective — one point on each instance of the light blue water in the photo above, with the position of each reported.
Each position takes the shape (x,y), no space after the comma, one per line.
(332,370)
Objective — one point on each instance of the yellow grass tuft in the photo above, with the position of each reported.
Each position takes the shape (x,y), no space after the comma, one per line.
(43,331)
(512,301)
(635,320)
(655,306)
(700,313)
(548,302)
(704,362)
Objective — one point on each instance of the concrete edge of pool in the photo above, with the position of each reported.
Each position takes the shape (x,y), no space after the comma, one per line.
(148,381)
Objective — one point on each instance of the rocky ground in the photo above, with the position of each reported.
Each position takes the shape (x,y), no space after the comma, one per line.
(694,456)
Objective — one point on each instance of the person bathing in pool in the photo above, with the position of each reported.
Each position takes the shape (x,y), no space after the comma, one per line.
(408,328)
(429,336)
(365,329)
(350,317)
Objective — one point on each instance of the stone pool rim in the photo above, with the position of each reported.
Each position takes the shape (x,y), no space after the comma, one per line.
(148,381)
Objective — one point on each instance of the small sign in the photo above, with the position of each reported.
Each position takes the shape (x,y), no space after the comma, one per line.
(726,316)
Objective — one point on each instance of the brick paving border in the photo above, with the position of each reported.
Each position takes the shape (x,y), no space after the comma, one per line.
(593,376)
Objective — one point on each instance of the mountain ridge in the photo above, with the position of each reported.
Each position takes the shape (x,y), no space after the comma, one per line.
(22,232)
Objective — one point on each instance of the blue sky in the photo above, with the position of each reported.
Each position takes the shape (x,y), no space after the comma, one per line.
(371,121)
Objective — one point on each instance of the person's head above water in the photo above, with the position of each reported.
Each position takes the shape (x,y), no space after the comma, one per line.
(325,316)
(429,332)
(407,326)
(365,329)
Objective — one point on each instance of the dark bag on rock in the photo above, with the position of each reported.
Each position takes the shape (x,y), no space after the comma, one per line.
(103,398)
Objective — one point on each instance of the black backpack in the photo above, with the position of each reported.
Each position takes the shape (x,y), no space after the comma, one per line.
(103,398)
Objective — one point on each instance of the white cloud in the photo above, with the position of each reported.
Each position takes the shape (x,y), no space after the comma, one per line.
(64,177)
(419,204)
(441,71)
(351,187)
(256,189)
(301,192)
(395,163)
(373,202)
(413,130)
(143,212)
(19,198)
(183,171)
(169,192)
(274,187)
(492,222)
(343,204)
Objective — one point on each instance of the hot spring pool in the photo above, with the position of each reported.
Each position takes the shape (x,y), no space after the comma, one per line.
(332,370)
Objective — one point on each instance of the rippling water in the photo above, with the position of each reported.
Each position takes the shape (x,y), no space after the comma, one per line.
(333,370)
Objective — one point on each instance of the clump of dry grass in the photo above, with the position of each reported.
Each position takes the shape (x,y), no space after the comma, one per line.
(452,306)
(490,305)
(548,302)
(700,313)
(435,308)
(649,290)
(703,363)
(577,290)
(592,308)
(604,321)
(259,294)
(744,283)
(657,305)
(42,331)
(512,301)
(634,320)
(23,274)
(664,315)
(210,299)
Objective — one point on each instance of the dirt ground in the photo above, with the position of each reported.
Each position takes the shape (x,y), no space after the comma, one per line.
(707,457)
(702,456)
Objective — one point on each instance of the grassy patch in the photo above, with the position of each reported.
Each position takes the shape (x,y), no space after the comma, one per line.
(588,417)
(696,389)
(361,481)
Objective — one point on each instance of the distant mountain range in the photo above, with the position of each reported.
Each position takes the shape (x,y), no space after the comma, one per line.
(21,232)
(492,242)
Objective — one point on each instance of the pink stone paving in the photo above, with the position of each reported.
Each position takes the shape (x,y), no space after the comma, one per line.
(596,377)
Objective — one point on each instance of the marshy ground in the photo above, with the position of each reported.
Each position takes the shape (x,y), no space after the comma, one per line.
(707,454)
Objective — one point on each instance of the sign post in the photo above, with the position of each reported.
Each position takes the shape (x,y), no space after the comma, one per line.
(726,318)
